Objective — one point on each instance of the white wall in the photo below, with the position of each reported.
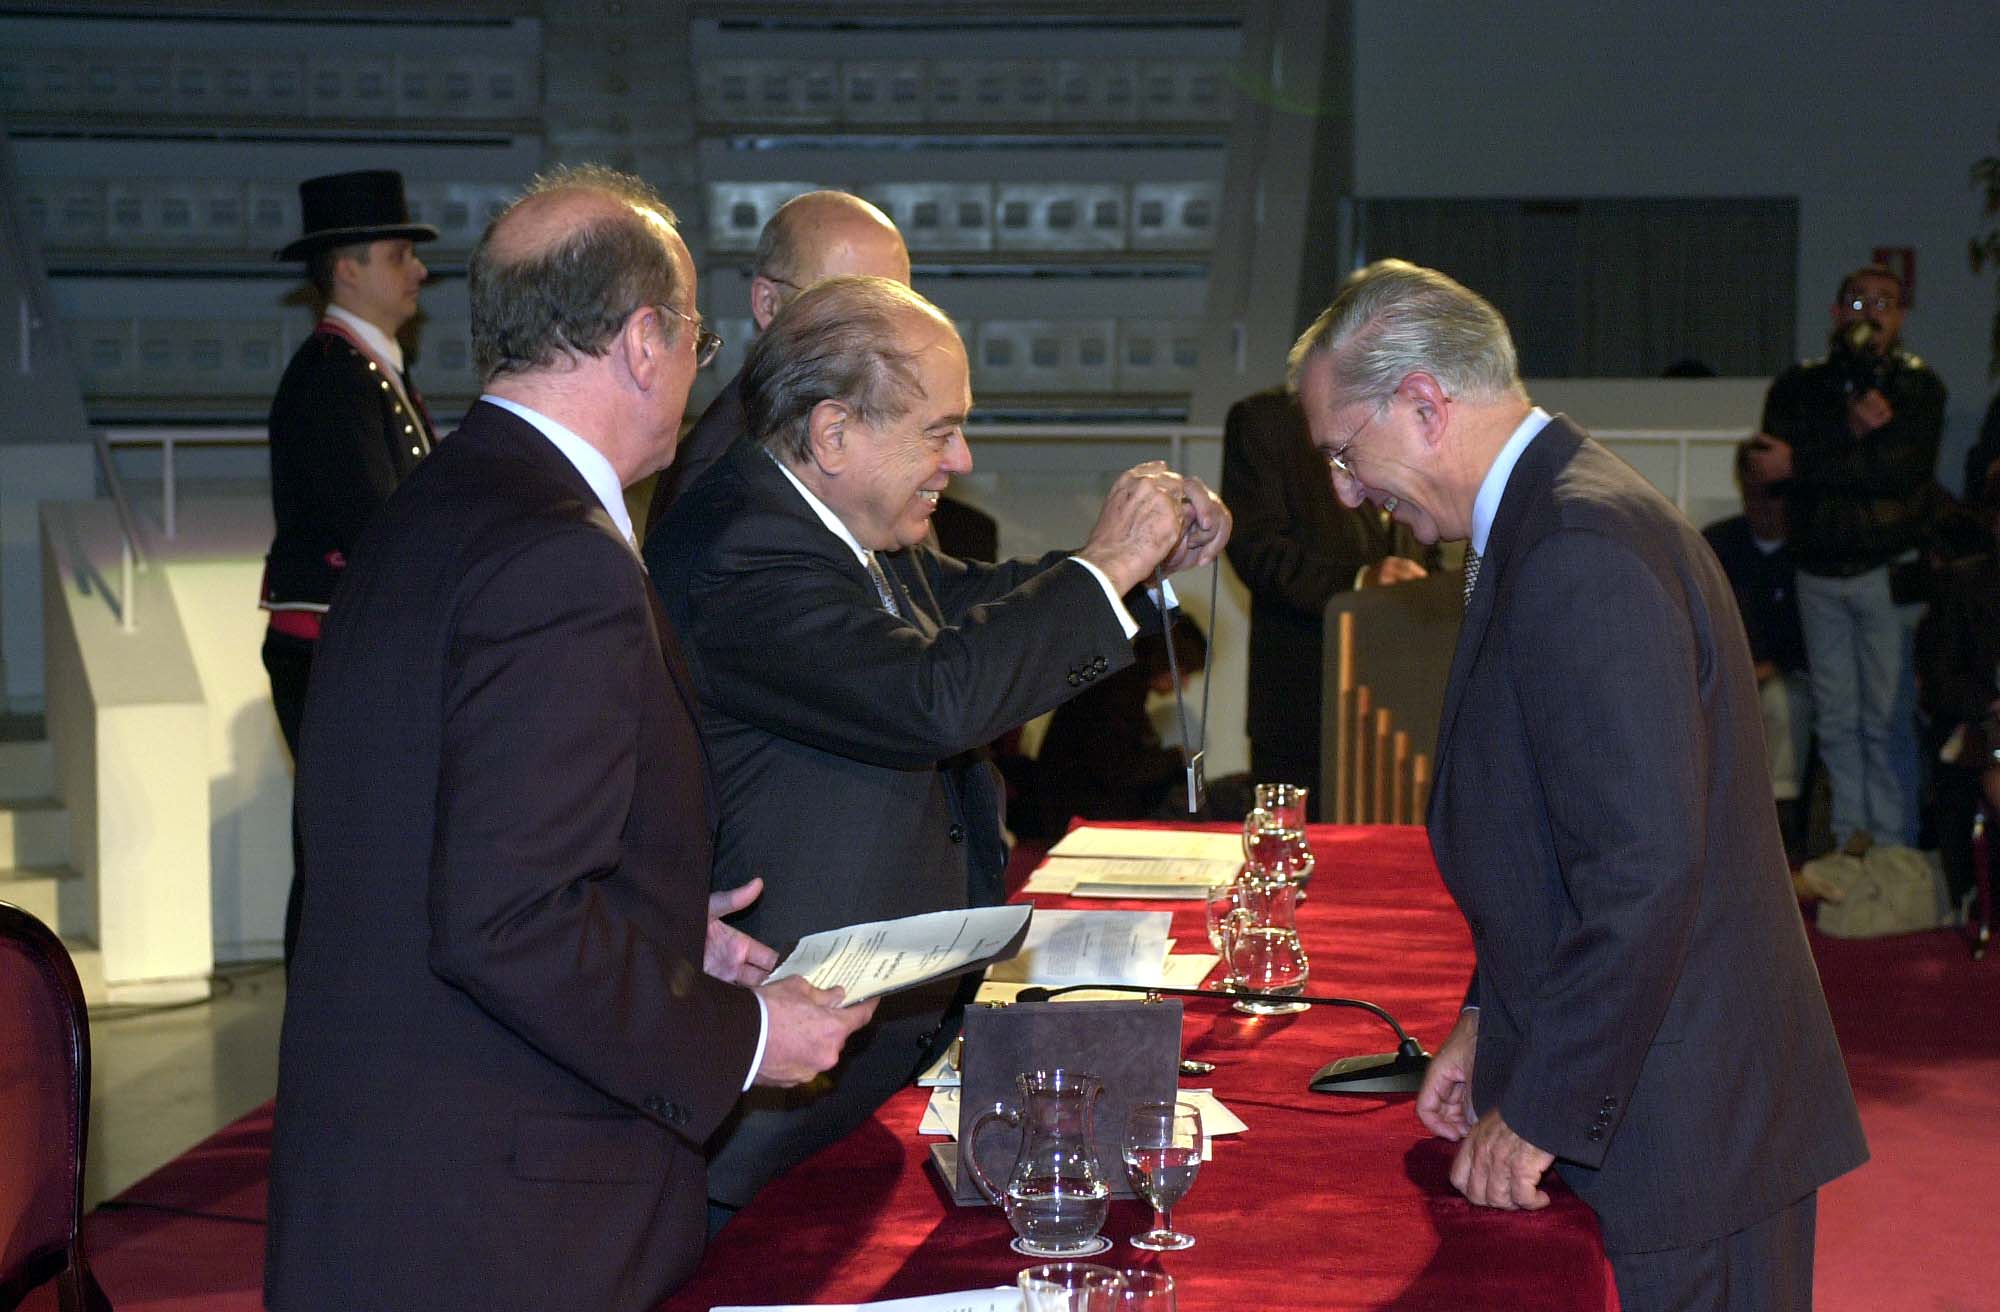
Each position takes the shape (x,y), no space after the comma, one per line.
(213,573)
(126,720)
(1872,116)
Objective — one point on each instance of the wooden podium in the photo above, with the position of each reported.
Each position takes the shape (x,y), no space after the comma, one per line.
(1389,655)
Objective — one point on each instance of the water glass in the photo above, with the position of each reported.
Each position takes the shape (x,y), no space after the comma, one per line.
(1070,1287)
(1146,1291)
(1162,1154)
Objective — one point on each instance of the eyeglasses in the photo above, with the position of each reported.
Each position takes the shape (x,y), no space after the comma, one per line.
(1880,304)
(1337,458)
(706,343)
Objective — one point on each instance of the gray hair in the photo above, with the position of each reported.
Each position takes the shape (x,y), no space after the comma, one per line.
(1392,319)
(839,340)
(568,297)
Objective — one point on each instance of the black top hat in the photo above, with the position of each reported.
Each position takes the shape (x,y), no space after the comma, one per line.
(343,209)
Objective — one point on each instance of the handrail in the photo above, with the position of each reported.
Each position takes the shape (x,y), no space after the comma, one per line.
(167,439)
(131,554)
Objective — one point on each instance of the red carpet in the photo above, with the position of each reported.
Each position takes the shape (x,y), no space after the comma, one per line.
(1913,1231)
(1918,1228)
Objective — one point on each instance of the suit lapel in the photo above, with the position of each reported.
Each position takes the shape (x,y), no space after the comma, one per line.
(1526,486)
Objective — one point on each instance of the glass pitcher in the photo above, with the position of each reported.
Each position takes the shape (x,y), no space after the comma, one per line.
(1261,947)
(1055,1196)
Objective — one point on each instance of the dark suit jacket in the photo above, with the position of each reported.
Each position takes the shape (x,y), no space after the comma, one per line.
(339,446)
(500,1055)
(837,731)
(1649,1009)
(720,425)
(1294,546)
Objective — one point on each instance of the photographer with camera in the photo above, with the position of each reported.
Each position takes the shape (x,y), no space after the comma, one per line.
(1854,437)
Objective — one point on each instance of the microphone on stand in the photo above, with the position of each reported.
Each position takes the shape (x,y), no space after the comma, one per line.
(1401,1071)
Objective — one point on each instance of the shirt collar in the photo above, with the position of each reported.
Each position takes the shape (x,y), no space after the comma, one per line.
(589,462)
(374,338)
(826,516)
(1487,504)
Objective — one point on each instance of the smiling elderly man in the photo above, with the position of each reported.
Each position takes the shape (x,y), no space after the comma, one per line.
(845,668)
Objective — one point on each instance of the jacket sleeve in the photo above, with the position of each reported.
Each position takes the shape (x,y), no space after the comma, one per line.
(794,642)
(1608,710)
(1279,559)
(527,914)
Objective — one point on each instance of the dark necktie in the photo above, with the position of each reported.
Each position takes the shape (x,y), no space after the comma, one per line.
(882,587)
(1471,572)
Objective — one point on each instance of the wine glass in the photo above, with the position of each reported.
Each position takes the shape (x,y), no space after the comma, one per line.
(1070,1287)
(1146,1291)
(1162,1154)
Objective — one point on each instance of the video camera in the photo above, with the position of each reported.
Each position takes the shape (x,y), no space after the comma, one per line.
(1860,368)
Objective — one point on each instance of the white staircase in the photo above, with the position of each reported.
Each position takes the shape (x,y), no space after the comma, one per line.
(35,868)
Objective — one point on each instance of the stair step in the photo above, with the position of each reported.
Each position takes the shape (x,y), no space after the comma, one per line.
(34,833)
(27,770)
(36,890)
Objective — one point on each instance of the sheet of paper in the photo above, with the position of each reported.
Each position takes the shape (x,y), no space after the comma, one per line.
(1119,876)
(1081,947)
(1156,844)
(1183,970)
(941,1113)
(997,1299)
(886,955)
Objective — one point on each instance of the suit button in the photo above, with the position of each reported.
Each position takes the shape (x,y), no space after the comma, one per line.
(1075,679)
(1609,1103)
(956,833)
(1100,665)
(1595,1134)
(928,1037)
(655,1104)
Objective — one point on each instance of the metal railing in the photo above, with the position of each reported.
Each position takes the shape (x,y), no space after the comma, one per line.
(131,553)
(134,557)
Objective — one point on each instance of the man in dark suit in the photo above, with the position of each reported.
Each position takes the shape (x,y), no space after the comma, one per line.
(511,1020)
(1644,1014)
(845,667)
(808,239)
(346,426)
(1296,548)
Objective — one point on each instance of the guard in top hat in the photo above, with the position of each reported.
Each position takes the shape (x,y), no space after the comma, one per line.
(346,425)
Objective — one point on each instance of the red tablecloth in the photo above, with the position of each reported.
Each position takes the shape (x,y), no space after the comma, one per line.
(1326,1202)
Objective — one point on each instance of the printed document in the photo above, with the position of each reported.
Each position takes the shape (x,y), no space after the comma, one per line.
(886,956)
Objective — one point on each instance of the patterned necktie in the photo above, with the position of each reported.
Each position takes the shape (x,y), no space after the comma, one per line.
(1471,572)
(882,586)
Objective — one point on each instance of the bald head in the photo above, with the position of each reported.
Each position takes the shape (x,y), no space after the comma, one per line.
(557,274)
(821,235)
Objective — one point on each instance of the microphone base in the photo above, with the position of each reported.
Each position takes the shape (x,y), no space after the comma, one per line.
(1401,1071)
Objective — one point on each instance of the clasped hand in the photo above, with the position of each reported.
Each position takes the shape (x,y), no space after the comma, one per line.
(1495,1167)
(1155,520)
